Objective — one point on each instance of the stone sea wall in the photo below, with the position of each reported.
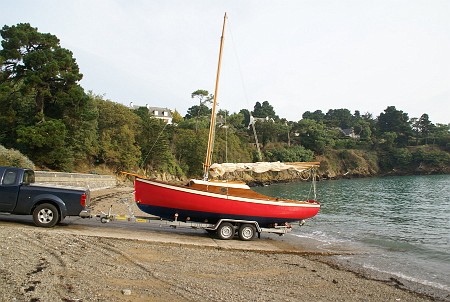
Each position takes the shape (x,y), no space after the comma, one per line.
(91,181)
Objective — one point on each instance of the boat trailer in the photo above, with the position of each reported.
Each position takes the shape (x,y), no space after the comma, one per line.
(225,229)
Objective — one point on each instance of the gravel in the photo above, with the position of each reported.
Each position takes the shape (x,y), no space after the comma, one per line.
(46,265)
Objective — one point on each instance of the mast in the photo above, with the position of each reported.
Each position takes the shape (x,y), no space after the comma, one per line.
(212,124)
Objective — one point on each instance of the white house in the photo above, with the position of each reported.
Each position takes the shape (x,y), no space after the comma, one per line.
(157,112)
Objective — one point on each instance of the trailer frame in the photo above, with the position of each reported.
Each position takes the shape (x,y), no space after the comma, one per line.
(225,229)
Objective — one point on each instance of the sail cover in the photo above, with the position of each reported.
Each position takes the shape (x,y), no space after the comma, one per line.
(260,167)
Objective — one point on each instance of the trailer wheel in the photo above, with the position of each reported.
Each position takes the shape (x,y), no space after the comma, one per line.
(247,232)
(45,215)
(225,231)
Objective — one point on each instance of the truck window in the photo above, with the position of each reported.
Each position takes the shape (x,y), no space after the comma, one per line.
(9,178)
(28,177)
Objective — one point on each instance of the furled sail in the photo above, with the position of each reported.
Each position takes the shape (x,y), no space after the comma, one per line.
(217,170)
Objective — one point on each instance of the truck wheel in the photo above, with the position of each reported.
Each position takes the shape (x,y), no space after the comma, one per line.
(45,215)
(225,231)
(247,232)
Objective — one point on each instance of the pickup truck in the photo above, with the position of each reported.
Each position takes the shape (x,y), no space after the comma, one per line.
(49,205)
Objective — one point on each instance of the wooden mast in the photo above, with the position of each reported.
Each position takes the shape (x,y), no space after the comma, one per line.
(212,125)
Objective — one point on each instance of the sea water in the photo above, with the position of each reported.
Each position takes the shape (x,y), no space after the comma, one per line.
(394,225)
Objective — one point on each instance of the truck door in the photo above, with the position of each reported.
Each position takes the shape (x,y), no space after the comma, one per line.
(9,190)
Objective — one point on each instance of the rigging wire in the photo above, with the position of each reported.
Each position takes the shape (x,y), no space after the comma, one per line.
(252,121)
(154,144)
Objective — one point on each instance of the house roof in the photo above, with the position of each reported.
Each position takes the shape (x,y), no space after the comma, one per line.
(155,111)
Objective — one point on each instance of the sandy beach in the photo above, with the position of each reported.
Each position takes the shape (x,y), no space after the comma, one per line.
(78,263)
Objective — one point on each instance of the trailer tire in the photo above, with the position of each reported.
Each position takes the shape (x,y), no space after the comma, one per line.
(225,231)
(45,215)
(247,232)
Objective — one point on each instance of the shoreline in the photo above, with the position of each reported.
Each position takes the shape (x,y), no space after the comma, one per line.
(73,267)
(341,258)
(76,261)
(308,247)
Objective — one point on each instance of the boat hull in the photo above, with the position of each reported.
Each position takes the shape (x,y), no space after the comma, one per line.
(187,204)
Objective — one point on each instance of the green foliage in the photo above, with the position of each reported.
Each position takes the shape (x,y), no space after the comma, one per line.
(289,154)
(230,146)
(39,90)
(190,148)
(268,131)
(117,128)
(395,121)
(315,136)
(264,110)
(237,121)
(82,123)
(441,135)
(407,160)
(387,140)
(48,117)
(432,157)
(47,142)
(195,124)
(18,109)
(317,115)
(339,118)
(48,71)
(364,127)
(153,138)
(13,158)
(201,110)
(176,117)
(358,162)
(197,111)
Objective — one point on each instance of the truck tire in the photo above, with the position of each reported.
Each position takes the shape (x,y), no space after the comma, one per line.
(247,232)
(225,231)
(45,215)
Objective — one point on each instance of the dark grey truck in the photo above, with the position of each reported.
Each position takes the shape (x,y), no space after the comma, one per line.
(49,205)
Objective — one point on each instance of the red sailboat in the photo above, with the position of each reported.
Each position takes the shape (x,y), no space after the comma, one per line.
(217,201)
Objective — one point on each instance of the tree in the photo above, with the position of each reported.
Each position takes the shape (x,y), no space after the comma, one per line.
(153,139)
(314,135)
(363,128)
(48,71)
(425,126)
(237,120)
(82,123)
(201,110)
(17,110)
(341,118)
(441,135)
(289,154)
(39,89)
(197,111)
(396,121)
(190,148)
(46,141)
(203,96)
(264,110)
(317,115)
(176,117)
(117,128)
(246,115)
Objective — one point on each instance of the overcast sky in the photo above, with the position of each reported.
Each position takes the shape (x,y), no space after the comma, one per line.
(299,55)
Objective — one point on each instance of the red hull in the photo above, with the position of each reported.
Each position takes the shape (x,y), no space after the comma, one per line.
(166,200)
